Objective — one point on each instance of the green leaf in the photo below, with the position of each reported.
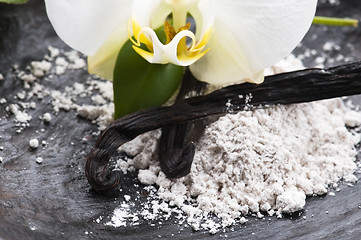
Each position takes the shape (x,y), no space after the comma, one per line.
(138,84)
(14,1)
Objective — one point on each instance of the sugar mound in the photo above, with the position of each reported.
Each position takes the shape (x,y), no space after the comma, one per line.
(266,160)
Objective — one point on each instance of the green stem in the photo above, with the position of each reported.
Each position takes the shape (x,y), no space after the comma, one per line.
(14,1)
(335,21)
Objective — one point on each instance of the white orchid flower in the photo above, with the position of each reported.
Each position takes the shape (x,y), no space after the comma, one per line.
(234,41)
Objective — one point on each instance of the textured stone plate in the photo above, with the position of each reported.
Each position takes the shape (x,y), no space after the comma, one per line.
(53,200)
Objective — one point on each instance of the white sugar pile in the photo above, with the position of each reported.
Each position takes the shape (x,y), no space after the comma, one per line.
(266,160)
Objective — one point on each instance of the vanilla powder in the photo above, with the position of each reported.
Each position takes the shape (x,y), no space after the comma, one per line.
(266,160)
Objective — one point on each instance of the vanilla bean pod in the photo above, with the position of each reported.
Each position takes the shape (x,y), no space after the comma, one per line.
(286,88)
(176,147)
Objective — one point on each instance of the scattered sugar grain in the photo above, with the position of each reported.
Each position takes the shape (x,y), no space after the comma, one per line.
(1,159)
(334,2)
(27,78)
(76,62)
(47,117)
(53,52)
(34,143)
(353,118)
(243,220)
(127,198)
(39,160)
(61,65)
(320,61)
(40,68)
(20,116)
(329,46)
(21,95)
(1,77)
(32,105)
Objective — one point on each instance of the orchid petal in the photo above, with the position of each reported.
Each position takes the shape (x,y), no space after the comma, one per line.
(204,16)
(225,63)
(149,13)
(103,61)
(85,25)
(250,36)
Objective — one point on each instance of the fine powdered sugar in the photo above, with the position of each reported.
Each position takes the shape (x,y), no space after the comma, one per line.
(266,160)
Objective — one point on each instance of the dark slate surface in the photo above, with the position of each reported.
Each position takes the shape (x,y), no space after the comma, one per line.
(55,196)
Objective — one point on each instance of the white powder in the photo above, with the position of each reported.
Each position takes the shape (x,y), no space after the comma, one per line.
(47,117)
(329,46)
(353,119)
(20,116)
(332,2)
(40,68)
(265,160)
(34,143)
(61,65)
(39,160)
(53,53)
(123,215)
(76,62)
(99,110)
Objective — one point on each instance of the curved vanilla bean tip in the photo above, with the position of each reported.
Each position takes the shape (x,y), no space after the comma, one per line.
(175,152)
(180,164)
(99,175)
(287,88)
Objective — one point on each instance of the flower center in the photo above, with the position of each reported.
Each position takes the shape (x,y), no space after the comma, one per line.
(180,46)
(170,32)
(175,50)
